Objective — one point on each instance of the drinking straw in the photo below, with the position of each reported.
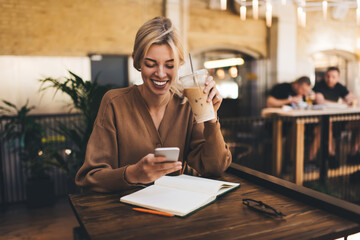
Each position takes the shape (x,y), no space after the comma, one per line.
(192,70)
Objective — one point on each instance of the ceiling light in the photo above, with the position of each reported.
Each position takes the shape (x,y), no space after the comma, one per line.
(325,6)
(255,5)
(339,8)
(223,63)
(223,4)
(268,13)
(243,13)
(220,73)
(233,72)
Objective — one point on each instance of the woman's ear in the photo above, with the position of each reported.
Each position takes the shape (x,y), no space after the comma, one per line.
(139,68)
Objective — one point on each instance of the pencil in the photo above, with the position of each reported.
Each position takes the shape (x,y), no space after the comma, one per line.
(153,212)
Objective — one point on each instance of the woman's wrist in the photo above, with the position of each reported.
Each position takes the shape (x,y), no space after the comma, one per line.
(129,174)
(214,120)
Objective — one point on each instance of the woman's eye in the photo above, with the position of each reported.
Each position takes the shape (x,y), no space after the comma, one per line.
(170,66)
(149,65)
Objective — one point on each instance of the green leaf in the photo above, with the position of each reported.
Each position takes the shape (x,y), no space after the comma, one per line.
(86,97)
(9,104)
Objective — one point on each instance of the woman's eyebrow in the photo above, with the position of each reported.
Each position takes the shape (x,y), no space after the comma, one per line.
(152,60)
(149,59)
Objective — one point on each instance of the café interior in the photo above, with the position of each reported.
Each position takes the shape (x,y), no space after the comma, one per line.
(247,46)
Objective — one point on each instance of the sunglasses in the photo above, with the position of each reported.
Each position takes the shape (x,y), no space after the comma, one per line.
(262,207)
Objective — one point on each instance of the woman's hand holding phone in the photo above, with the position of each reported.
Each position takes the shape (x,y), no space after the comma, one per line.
(150,168)
(170,153)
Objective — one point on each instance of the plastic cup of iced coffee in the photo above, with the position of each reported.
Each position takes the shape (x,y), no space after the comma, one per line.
(194,85)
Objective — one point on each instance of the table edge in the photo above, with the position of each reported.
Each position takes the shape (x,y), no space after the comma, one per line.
(77,216)
(313,198)
(320,200)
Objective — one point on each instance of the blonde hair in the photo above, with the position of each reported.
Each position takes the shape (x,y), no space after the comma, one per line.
(159,30)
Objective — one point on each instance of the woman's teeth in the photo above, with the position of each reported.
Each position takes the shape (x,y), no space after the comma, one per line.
(159,83)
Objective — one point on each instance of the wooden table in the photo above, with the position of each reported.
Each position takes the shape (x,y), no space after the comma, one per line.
(104,217)
(300,118)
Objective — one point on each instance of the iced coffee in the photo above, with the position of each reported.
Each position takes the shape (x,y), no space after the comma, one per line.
(193,85)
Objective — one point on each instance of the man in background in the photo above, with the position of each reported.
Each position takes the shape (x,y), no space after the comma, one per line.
(289,93)
(330,90)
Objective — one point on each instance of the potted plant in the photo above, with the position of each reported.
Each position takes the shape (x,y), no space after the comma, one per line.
(86,98)
(24,136)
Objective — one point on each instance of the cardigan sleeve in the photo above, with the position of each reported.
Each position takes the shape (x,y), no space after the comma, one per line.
(209,155)
(101,171)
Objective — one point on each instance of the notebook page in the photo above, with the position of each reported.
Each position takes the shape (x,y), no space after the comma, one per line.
(196,184)
(221,186)
(175,201)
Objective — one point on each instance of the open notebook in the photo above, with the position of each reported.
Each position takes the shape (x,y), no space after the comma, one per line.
(179,195)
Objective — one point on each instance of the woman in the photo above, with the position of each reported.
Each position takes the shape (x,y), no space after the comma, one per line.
(133,121)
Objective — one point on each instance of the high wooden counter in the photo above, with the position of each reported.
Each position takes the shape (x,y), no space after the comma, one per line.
(104,217)
(299,118)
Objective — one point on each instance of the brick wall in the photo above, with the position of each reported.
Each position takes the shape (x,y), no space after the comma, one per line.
(210,28)
(72,27)
(77,28)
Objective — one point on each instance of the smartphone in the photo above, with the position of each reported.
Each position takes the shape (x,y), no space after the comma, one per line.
(170,153)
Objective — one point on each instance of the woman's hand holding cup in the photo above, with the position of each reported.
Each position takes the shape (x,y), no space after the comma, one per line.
(204,98)
(214,95)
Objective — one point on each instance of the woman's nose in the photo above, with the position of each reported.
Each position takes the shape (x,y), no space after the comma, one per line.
(161,72)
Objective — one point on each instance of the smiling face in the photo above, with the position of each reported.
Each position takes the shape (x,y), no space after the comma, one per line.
(158,69)
(332,78)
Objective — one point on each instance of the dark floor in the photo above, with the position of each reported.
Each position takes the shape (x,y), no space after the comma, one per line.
(57,222)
